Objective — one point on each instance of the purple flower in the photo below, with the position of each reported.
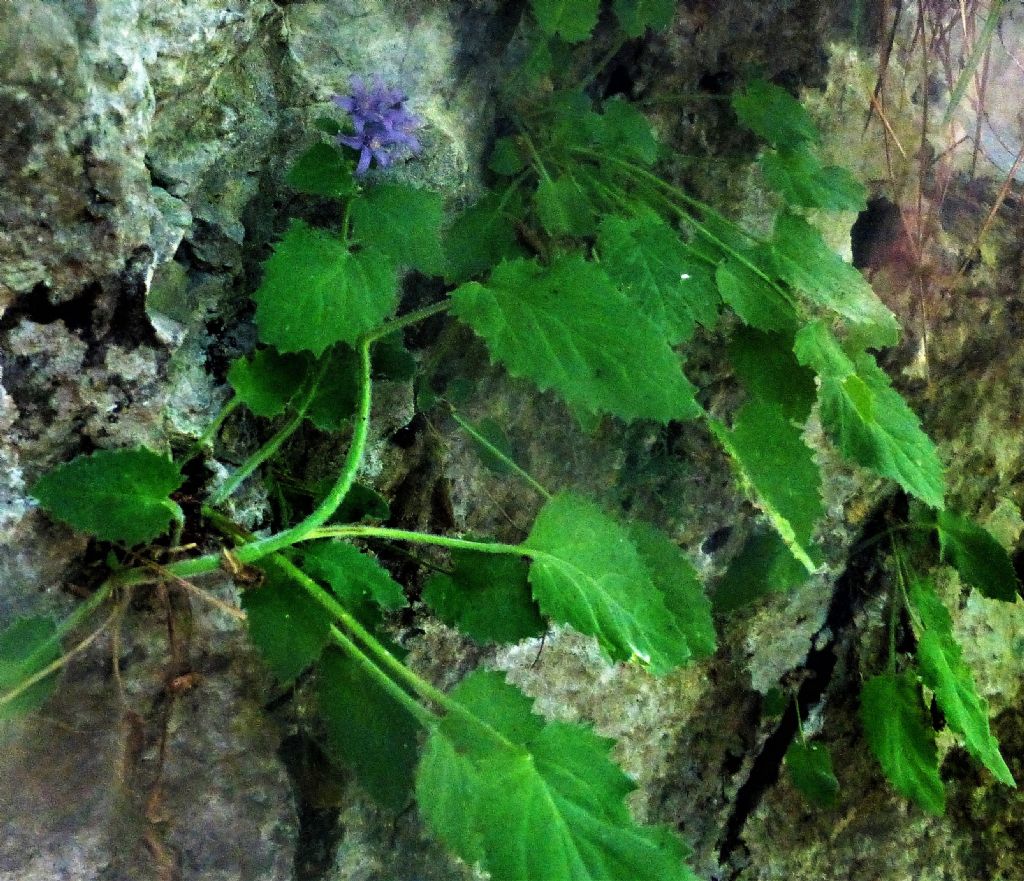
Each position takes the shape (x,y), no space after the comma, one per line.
(383,127)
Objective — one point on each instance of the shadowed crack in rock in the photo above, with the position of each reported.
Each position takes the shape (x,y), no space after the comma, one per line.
(832,640)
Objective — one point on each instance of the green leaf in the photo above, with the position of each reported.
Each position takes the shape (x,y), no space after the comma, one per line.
(752,298)
(563,207)
(362,502)
(800,179)
(354,577)
(816,347)
(574,122)
(901,739)
(944,671)
(322,170)
(635,16)
(765,364)
(776,468)
(588,574)
(391,360)
(27,646)
(535,800)
(680,586)
(572,20)
(367,730)
(481,237)
(115,495)
(506,158)
(805,262)
(534,71)
(487,597)
(266,381)
(627,133)
(651,265)
(285,623)
(315,292)
(981,561)
(403,222)
(328,125)
(810,771)
(337,394)
(567,327)
(772,113)
(873,426)
(764,565)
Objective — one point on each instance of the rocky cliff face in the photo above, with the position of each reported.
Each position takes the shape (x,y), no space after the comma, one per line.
(140,183)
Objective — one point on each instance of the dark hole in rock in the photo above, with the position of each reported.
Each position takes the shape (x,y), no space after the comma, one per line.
(716,540)
(36,306)
(406,436)
(620,82)
(875,232)
(718,82)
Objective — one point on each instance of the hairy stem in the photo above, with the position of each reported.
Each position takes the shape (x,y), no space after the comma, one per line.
(643,177)
(390,664)
(207,437)
(385,532)
(602,62)
(250,553)
(494,451)
(54,666)
(406,320)
(270,448)
(420,713)
(537,162)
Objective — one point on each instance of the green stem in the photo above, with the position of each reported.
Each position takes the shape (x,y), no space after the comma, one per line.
(893,621)
(728,249)
(614,198)
(388,661)
(895,604)
(494,451)
(638,172)
(643,176)
(511,189)
(52,668)
(426,538)
(206,438)
(227,525)
(324,599)
(862,546)
(422,715)
(345,221)
(799,721)
(538,163)
(602,62)
(407,320)
(82,611)
(623,201)
(270,448)
(323,512)
(252,552)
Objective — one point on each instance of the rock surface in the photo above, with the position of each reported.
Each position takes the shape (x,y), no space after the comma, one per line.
(140,184)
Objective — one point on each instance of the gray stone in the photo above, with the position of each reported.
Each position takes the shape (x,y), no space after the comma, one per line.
(144,149)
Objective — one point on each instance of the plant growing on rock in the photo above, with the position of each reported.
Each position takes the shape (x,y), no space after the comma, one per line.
(585,272)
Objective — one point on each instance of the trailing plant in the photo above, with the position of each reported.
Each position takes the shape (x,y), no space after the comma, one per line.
(585,272)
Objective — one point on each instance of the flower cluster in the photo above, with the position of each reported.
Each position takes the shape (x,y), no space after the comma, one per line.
(383,127)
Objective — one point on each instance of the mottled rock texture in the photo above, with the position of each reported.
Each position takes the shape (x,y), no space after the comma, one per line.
(144,144)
